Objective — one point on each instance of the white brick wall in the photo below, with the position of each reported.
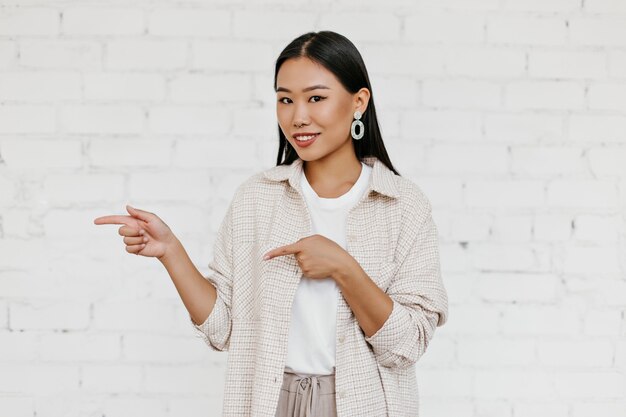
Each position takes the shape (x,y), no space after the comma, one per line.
(510,114)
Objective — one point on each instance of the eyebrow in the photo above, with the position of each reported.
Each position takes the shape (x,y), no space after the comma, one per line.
(313,87)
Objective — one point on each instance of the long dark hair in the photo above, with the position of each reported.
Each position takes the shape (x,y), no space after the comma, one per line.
(337,54)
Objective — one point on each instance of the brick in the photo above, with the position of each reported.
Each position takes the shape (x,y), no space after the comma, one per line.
(607,96)
(96,20)
(545,95)
(527,30)
(122,406)
(602,323)
(215,154)
(488,352)
(504,193)
(547,162)
(166,185)
(518,288)
(395,92)
(124,87)
(36,86)
(598,228)
(472,159)
(27,119)
(612,292)
(377,26)
(544,409)
(479,61)
(88,347)
(102,119)
(39,379)
(146,54)
(65,189)
(17,346)
(581,193)
(232,56)
(552,227)
(8,55)
(428,26)
(160,348)
(189,22)
(590,384)
(461,94)
(499,257)
(441,124)
(61,54)
(39,154)
(513,384)
(604,6)
(410,60)
(543,6)
(153,152)
(596,128)
(535,320)
(567,64)
(132,315)
(28,21)
(594,407)
(212,89)
(57,314)
(617,63)
(111,378)
(17,406)
(454,383)
(575,353)
(523,127)
(188,120)
(474,320)
(605,31)
(178,379)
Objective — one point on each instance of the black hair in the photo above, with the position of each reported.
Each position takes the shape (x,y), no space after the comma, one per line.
(337,54)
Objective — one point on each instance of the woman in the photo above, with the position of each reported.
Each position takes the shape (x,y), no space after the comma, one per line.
(325,286)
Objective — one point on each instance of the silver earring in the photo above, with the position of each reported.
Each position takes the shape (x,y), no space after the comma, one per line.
(359,123)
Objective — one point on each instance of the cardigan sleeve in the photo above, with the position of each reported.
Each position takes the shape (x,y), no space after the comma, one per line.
(216,329)
(420,302)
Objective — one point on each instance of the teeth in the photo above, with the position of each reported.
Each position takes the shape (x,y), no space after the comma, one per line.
(305,138)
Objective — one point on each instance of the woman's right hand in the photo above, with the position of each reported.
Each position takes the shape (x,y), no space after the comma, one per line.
(144,232)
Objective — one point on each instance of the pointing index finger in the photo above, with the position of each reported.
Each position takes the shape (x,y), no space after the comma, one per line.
(114,219)
(280,251)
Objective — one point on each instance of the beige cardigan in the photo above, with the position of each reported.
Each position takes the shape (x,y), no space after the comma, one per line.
(390,232)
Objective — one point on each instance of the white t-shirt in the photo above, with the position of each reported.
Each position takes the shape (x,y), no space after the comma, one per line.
(311,349)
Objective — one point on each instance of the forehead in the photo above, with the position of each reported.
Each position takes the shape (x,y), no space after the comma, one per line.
(296,74)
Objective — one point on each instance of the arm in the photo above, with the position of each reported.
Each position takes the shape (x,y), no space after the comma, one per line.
(400,323)
(207,299)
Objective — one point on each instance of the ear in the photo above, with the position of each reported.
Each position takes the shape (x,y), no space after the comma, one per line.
(361,100)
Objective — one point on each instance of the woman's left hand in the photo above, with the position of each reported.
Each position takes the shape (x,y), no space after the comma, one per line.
(318,256)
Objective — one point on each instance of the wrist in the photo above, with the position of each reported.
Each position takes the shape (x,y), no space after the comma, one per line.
(344,271)
(172,250)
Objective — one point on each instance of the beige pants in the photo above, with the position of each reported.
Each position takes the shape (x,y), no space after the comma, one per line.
(312,396)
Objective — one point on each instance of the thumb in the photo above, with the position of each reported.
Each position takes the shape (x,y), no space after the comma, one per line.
(140,214)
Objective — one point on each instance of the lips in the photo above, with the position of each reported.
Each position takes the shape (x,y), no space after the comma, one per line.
(304,143)
(298,135)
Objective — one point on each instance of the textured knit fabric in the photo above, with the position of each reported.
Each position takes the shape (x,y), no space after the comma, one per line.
(312,331)
(390,233)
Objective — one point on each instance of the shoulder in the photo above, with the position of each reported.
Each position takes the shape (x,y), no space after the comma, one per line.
(413,200)
(253,187)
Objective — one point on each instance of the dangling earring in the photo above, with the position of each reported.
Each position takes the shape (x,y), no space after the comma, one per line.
(359,123)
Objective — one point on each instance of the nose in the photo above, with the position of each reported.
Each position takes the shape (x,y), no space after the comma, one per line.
(300,116)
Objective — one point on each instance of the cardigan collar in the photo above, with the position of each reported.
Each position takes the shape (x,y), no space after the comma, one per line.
(382,182)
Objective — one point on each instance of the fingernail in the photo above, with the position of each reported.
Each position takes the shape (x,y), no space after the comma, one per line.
(266,257)
(141,232)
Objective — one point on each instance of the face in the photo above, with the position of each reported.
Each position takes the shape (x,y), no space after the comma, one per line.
(326,110)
